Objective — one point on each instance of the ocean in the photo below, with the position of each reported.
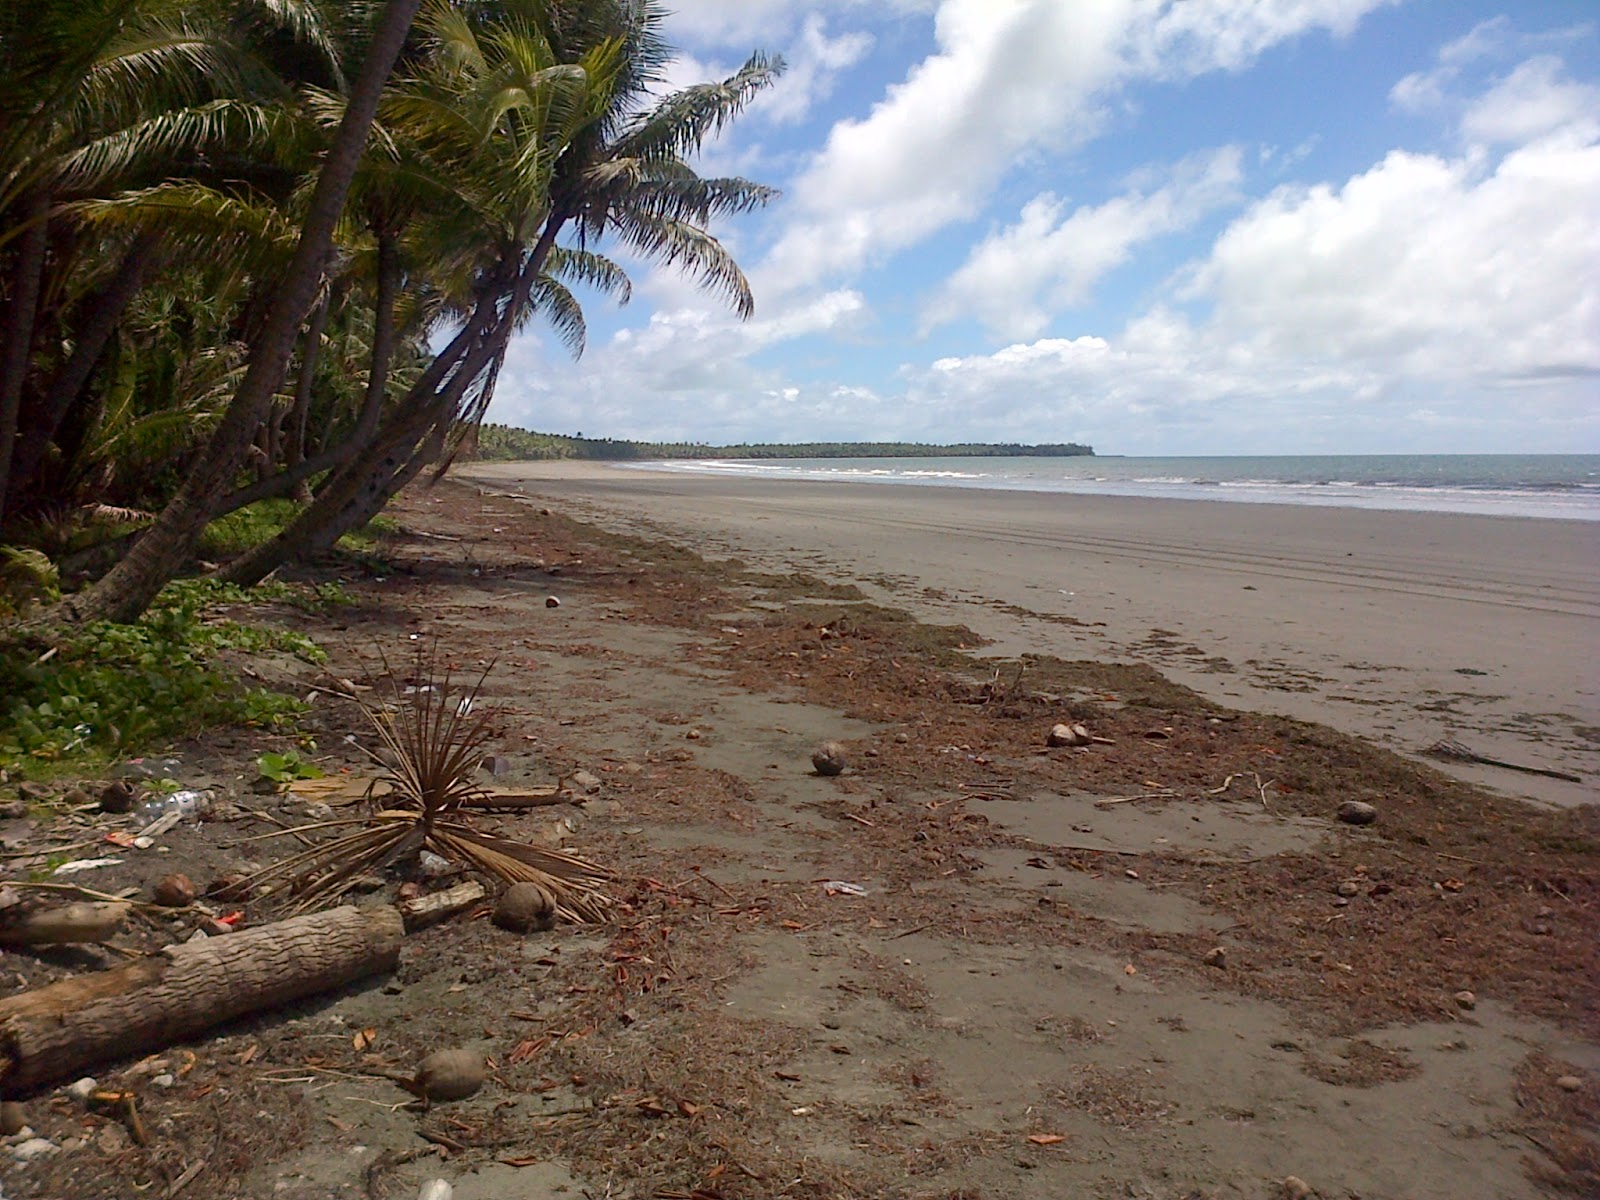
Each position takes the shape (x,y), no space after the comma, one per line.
(1555,486)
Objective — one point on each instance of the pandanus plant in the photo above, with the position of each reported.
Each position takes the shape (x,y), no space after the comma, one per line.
(435,740)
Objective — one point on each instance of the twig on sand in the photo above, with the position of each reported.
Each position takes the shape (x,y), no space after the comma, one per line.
(1452,749)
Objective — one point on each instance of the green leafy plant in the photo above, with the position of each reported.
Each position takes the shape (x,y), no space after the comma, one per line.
(105,688)
(285,766)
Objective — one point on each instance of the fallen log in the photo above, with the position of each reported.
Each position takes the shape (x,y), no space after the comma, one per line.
(57,1031)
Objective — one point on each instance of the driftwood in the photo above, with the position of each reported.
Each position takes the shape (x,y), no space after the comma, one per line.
(85,921)
(55,1032)
(436,906)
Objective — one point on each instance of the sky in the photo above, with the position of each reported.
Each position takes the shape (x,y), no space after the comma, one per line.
(1158,227)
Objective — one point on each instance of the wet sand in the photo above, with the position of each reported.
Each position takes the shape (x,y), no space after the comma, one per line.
(1402,627)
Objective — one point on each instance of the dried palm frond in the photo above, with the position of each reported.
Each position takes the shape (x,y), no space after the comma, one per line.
(435,744)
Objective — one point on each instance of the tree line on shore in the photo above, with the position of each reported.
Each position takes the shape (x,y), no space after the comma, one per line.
(506,443)
(260,251)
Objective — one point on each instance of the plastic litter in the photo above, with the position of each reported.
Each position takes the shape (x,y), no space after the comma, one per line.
(84,864)
(146,768)
(167,811)
(838,887)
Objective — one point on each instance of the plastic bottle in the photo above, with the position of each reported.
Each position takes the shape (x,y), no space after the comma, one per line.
(187,805)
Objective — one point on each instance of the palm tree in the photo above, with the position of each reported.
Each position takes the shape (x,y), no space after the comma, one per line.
(541,114)
(104,96)
(130,586)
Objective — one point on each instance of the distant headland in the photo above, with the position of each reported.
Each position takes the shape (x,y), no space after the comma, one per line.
(504,443)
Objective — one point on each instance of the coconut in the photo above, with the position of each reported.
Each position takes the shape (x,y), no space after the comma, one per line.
(829,759)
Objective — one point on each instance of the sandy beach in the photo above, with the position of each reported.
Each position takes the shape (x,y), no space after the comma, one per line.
(1200,953)
(1402,627)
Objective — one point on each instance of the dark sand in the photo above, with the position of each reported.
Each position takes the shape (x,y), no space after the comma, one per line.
(1402,627)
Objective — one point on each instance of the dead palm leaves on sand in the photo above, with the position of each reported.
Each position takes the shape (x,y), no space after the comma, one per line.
(434,742)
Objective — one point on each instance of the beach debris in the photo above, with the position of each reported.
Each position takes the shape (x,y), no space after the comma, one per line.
(445,1075)
(1162,734)
(1356,812)
(1068,735)
(525,908)
(230,887)
(496,764)
(174,891)
(1466,1000)
(1449,748)
(13,1118)
(84,864)
(585,781)
(420,908)
(1348,888)
(55,1031)
(118,796)
(1217,957)
(838,887)
(33,1148)
(829,759)
(80,1090)
(71,924)
(552,602)
(1295,1188)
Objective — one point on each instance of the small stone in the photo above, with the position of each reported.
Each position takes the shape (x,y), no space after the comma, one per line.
(829,759)
(34,1148)
(174,891)
(83,1088)
(118,796)
(694,735)
(14,1118)
(1068,735)
(585,781)
(1349,888)
(1467,1000)
(410,890)
(525,908)
(77,798)
(901,739)
(551,601)
(1569,1083)
(1217,957)
(163,1080)
(212,927)
(1295,1188)
(1355,812)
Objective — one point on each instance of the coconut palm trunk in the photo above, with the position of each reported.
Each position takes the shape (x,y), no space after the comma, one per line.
(36,429)
(127,590)
(17,329)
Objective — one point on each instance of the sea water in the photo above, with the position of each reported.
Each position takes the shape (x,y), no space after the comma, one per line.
(1560,486)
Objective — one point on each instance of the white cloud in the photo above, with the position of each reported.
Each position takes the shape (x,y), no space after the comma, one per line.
(1016,280)
(815,62)
(1424,276)
(1533,100)
(1008,77)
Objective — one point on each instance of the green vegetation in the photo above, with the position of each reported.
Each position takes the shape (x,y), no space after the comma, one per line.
(103,689)
(260,263)
(504,443)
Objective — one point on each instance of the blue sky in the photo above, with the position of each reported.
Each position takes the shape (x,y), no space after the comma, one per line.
(1156,226)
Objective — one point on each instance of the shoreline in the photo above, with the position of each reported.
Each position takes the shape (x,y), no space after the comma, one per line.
(1405,628)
